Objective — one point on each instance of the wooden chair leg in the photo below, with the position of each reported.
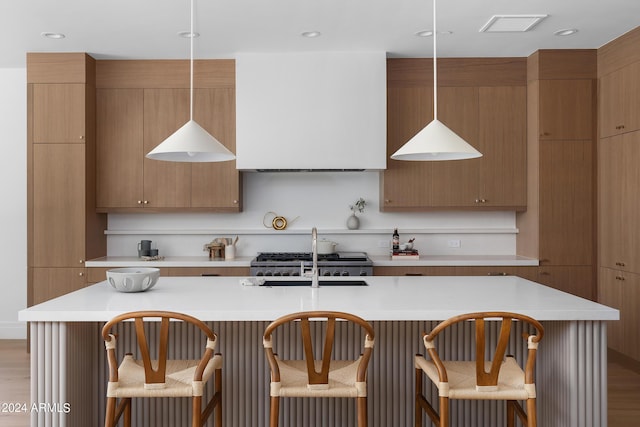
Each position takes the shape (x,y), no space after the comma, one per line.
(275,411)
(127,413)
(110,412)
(218,391)
(444,412)
(196,411)
(362,412)
(418,408)
(511,414)
(532,417)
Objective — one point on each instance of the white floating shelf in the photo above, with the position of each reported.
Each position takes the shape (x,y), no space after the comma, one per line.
(296,231)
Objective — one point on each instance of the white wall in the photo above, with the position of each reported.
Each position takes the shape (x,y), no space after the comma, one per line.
(318,199)
(13,193)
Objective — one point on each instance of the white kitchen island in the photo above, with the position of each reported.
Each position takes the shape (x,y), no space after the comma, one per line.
(68,366)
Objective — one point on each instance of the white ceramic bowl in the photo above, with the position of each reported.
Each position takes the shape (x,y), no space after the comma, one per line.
(133,279)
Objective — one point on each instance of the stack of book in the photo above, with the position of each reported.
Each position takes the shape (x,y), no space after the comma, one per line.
(406,254)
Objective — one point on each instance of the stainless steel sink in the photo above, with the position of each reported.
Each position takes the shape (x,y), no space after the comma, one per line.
(271,283)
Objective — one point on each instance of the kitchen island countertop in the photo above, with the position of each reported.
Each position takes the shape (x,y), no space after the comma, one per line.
(402,298)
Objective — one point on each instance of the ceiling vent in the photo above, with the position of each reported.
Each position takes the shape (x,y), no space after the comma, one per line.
(511,23)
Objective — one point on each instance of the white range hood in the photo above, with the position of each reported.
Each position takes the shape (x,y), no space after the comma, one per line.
(311,111)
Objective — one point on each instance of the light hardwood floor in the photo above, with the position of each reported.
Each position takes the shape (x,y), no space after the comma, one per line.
(624,386)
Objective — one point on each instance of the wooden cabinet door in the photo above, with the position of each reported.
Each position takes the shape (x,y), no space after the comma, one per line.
(166,184)
(620,101)
(610,294)
(619,204)
(455,183)
(576,280)
(566,109)
(567,202)
(216,185)
(58,238)
(405,184)
(59,113)
(621,290)
(51,283)
(119,136)
(502,125)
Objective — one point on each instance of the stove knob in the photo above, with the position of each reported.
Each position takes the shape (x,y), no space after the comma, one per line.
(268,273)
(326,273)
(336,273)
(286,273)
(295,273)
(363,273)
(345,273)
(259,273)
(277,273)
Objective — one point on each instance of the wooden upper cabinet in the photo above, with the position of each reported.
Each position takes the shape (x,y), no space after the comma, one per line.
(502,122)
(566,109)
(620,101)
(217,185)
(119,135)
(131,122)
(495,181)
(166,184)
(59,113)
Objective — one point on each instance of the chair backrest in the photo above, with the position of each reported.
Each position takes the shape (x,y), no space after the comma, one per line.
(155,376)
(489,378)
(321,377)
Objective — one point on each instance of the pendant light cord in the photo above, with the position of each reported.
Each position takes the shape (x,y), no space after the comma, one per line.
(435,68)
(191,36)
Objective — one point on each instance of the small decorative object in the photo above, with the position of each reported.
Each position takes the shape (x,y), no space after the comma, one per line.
(133,279)
(353,222)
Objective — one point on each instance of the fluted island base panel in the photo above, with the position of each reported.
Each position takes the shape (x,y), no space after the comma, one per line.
(69,376)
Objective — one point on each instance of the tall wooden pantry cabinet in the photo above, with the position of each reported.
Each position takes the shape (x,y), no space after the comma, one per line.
(618,189)
(63,229)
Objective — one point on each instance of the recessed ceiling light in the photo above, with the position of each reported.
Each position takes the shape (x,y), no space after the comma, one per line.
(311,34)
(429,33)
(566,32)
(188,34)
(55,36)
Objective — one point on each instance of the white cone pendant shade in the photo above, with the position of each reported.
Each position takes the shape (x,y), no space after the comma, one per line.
(191,143)
(436,142)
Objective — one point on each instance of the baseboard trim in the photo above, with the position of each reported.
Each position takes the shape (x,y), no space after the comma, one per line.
(13,330)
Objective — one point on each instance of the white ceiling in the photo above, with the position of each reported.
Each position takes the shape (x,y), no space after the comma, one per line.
(147,29)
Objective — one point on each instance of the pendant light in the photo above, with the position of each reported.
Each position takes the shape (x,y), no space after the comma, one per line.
(435,141)
(191,143)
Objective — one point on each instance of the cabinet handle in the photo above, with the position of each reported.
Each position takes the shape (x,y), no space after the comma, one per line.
(139,202)
(481,200)
(545,134)
(81,136)
(620,127)
(545,273)
(146,202)
(235,202)
(620,263)
(497,273)
(81,261)
(387,200)
(80,274)
(621,278)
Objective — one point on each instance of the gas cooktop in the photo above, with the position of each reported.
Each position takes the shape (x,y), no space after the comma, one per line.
(308,256)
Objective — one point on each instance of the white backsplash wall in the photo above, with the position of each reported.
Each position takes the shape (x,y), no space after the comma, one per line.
(320,199)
